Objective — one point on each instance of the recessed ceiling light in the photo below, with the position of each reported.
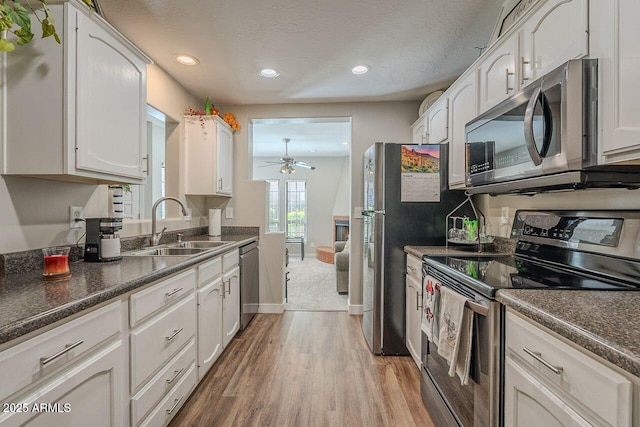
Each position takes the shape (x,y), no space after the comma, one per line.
(314,151)
(268,72)
(345,143)
(185,59)
(360,69)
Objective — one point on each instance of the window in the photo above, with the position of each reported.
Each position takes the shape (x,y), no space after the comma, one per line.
(274,205)
(296,208)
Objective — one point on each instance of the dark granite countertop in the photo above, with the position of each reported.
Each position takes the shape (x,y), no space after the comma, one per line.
(603,322)
(28,303)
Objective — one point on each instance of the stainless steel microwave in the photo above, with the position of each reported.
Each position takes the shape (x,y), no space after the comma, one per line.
(543,138)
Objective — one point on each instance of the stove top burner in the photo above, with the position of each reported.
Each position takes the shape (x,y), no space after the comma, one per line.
(512,272)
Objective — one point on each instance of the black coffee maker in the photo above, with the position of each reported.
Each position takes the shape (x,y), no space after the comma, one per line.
(103,241)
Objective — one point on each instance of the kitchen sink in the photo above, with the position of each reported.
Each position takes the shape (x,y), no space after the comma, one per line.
(208,244)
(167,252)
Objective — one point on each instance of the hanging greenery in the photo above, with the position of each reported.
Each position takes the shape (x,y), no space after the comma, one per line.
(15,20)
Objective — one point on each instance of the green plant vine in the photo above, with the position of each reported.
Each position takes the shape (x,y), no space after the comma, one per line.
(15,19)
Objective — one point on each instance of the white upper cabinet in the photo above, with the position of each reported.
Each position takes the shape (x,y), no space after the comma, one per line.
(463,107)
(498,73)
(554,34)
(620,86)
(208,156)
(76,111)
(420,130)
(438,121)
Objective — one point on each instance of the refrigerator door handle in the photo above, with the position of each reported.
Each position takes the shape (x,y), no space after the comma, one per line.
(381,212)
(368,213)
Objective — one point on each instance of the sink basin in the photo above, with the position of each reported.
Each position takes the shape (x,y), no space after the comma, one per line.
(203,244)
(167,252)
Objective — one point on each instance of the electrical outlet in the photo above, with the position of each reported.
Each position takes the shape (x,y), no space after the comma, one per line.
(76,213)
(228,213)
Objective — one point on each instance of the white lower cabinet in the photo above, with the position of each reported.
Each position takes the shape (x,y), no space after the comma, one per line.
(230,305)
(162,383)
(530,404)
(548,382)
(413,307)
(209,325)
(171,404)
(88,393)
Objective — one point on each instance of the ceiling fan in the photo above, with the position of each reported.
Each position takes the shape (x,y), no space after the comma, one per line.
(288,162)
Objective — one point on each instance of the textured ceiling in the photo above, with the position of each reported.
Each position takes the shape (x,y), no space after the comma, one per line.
(412,46)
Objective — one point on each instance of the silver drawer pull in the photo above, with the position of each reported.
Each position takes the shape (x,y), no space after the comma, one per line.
(173,292)
(538,356)
(46,360)
(175,405)
(174,334)
(176,375)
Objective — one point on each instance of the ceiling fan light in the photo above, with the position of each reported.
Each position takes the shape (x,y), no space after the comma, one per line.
(283,169)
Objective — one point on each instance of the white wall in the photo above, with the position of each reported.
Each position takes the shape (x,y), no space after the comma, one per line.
(34,213)
(371,122)
(323,185)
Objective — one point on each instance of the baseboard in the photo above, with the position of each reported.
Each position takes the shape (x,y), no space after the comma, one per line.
(271,308)
(355,310)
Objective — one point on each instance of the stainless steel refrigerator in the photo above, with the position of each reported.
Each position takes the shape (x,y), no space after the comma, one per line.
(392,220)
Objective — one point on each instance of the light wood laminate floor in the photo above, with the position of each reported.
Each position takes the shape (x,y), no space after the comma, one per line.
(306,369)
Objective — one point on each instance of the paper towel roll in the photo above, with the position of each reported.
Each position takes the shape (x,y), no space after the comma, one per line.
(215,218)
(116,201)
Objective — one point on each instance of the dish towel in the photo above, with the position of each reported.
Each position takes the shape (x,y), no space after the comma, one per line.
(456,331)
(431,309)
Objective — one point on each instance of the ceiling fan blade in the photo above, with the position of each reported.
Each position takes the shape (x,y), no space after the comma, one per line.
(274,162)
(304,165)
(269,165)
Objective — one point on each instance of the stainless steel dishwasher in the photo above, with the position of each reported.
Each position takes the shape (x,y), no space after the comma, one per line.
(249,283)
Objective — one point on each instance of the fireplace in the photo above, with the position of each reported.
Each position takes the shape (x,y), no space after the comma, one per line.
(340,228)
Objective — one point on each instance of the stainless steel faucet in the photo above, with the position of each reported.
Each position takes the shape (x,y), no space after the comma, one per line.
(155,237)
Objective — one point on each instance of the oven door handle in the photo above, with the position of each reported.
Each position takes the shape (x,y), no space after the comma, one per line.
(477,308)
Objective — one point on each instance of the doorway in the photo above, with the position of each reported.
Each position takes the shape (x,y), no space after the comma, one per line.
(307,163)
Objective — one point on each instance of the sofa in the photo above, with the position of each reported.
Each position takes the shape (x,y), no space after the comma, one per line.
(341,261)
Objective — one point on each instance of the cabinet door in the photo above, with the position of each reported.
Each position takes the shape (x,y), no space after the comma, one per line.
(463,107)
(231,306)
(528,403)
(420,131)
(209,325)
(110,103)
(620,84)
(224,160)
(498,77)
(88,394)
(540,51)
(438,122)
(413,311)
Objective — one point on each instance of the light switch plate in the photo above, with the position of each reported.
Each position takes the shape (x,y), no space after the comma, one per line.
(357,212)
(228,213)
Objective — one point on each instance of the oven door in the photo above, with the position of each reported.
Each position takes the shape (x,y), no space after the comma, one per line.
(475,404)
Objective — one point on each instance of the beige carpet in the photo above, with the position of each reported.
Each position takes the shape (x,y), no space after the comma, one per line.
(312,286)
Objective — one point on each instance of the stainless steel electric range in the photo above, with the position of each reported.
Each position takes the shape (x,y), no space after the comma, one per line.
(598,250)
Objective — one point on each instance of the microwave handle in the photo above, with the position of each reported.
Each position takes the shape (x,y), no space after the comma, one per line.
(537,156)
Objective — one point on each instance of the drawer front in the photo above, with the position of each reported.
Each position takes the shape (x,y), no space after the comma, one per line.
(591,385)
(209,270)
(171,404)
(414,267)
(162,383)
(157,340)
(36,358)
(230,260)
(164,293)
